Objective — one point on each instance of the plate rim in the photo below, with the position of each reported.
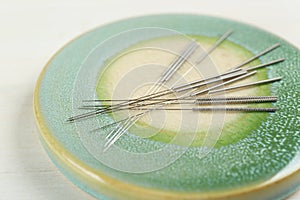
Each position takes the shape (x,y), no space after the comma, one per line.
(62,154)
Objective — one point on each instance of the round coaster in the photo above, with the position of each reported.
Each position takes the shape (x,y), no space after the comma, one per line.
(169,154)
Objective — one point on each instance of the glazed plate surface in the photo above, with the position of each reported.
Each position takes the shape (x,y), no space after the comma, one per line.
(261,160)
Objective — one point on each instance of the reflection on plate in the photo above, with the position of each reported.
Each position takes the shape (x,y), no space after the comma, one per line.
(245,155)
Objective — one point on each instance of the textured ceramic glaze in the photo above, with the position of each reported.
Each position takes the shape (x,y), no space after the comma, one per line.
(237,170)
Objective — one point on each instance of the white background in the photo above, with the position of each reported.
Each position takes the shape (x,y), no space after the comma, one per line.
(31,31)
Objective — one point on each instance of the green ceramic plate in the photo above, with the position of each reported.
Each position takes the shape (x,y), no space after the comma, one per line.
(255,157)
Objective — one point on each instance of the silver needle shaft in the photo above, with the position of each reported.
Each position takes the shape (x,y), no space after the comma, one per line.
(246,85)
(258,55)
(232,109)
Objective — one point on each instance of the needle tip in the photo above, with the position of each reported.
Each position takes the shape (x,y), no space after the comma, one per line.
(70,120)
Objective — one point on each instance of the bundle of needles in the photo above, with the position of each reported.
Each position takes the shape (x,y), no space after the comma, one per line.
(201,94)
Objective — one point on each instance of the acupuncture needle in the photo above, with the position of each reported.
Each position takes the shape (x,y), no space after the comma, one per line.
(212,48)
(202,103)
(234,109)
(275,46)
(211,98)
(214,102)
(246,85)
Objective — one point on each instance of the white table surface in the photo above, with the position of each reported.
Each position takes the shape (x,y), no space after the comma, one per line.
(33,30)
